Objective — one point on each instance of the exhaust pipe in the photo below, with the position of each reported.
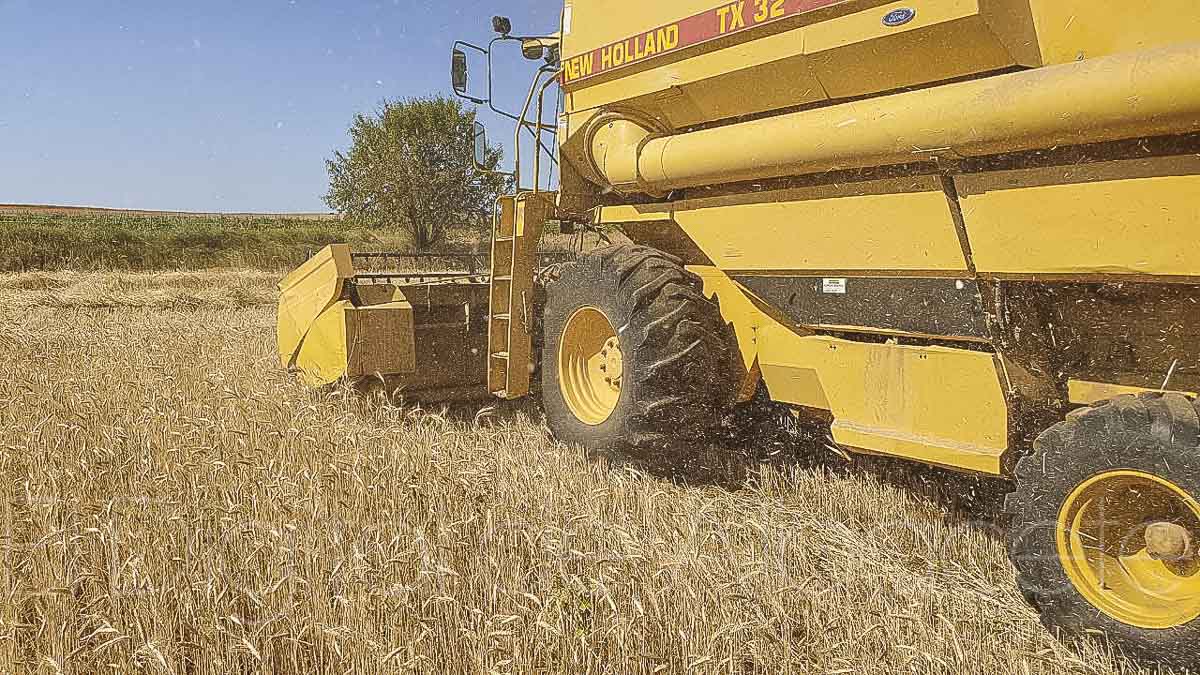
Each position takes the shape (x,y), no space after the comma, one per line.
(1130,95)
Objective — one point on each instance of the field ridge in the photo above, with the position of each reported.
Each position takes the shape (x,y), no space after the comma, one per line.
(104,210)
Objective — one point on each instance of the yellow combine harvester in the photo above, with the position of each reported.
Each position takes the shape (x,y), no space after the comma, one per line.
(967,231)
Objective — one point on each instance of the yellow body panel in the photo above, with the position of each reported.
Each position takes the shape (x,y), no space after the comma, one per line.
(322,358)
(935,404)
(858,54)
(1070,30)
(306,293)
(939,405)
(349,341)
(837,49)
(894,225)
(1132,217)
(739,310)
(646,214)
(843,49)
(1086,392)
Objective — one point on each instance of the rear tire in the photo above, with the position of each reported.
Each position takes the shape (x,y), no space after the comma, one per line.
(1083,500)
(672,349)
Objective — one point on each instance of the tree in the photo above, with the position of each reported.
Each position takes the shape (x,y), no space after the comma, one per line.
(410,164)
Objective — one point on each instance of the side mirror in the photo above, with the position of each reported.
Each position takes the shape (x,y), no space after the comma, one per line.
(535,48)
(458,71)
(532,50)
(463,53)
(502,25)
(481,146)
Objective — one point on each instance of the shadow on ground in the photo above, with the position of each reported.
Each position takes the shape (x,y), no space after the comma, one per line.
(766,436)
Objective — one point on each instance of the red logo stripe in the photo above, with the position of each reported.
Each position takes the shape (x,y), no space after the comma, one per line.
(728,19)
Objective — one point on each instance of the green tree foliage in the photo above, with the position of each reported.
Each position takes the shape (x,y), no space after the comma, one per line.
(410,165)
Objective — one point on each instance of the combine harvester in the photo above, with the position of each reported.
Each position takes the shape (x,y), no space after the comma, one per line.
(965,231)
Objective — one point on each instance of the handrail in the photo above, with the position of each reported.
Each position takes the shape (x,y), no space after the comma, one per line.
(537,156)
(524,123)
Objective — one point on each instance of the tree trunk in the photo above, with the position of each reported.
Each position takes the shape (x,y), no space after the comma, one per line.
(420,234)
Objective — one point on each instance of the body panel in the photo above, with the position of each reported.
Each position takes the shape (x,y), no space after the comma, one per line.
(1084,392)
(897,225)
(895,399)
(692,62)
(885,398)
(1128,217)
(307,292)
(1071,30)
(932,307)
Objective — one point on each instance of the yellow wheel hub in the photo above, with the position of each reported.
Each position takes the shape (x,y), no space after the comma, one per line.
(590,366)
(1127,541)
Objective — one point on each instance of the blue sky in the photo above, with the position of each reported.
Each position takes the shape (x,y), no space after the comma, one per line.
(217,105)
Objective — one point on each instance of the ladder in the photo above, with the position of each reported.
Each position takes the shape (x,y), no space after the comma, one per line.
(516,233)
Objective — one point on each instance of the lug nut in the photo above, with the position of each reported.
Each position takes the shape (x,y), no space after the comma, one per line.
(1170,542)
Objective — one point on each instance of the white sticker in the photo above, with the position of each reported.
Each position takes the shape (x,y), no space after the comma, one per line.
(834,286)
(566,27)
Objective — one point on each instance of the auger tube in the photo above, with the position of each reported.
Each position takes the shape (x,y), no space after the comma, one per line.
(1129,95)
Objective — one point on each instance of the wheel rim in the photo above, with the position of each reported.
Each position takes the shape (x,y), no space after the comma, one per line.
(1127,540)
(590,366)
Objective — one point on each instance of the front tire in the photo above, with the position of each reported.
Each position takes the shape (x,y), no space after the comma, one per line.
(635,357)
(1106,524)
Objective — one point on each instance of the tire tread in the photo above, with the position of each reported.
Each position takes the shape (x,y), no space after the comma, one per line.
(1155,432)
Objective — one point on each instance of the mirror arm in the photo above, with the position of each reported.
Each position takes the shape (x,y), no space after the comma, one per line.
(490,104)
(489,100)
(535,128)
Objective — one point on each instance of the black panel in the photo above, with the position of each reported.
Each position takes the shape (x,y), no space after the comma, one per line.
(1137,334)
(940,307)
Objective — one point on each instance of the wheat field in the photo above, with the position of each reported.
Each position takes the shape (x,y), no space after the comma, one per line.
(174,503)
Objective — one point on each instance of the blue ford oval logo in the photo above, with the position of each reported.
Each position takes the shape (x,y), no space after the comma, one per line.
(899,17)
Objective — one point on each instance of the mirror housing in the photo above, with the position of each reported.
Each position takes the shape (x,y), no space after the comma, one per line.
(535,48)
(501,25)
(460,78)
(458,71)
(532,50)
(480,141)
